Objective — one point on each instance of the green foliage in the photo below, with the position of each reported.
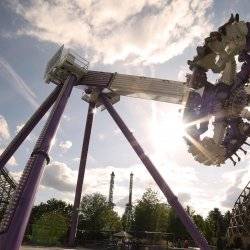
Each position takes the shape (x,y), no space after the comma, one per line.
(150,214)
(49,221)
(98,215)
(226,222)
(51,206)
(216,224)
(200,223)
(111,220)
(175,226)
(49,229)
(127,219)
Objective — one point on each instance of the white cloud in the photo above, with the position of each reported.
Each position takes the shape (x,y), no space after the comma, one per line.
(182,73)
(92,162)
(77,159)
(12,161)
(117,131)
(16,175)
(65,145)
(142,31)
(138,32)
(238,179)
(184,198)
(4,129)
(66,118)
(5,136)
(59,176)
(17,82)
(31,137)
(101,136)
(19,127)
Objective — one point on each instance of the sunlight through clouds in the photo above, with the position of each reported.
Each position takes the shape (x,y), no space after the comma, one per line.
(142,37)
(136,32)
(167,130)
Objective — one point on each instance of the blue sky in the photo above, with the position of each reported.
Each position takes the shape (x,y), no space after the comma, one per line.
(145,37)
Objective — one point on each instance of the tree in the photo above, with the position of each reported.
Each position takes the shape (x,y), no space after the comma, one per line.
(226,222)
(51,206)
(97,215)
(49,229)
(175,225)
(201,224)
(215,222)
(128,218)
(150,214)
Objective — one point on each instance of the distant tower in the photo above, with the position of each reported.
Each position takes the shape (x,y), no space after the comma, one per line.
(130,191)
(128,215)
(111,189)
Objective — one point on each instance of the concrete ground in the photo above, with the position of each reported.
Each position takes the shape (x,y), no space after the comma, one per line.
(50,248)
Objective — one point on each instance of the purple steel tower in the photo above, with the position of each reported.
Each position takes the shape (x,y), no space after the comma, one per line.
(78,193)
(15,220)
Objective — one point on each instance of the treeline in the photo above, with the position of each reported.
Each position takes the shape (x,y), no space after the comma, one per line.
(49,222)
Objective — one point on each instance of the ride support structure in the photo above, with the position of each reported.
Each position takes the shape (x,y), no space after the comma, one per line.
(81,173)
(66,72)
(171,198)
(240,221)
(16,217)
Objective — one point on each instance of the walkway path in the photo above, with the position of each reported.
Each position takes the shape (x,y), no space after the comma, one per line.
(50,248)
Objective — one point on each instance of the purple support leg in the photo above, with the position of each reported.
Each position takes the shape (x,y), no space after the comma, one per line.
(78,194)
(15,220)
(172,199)
(28,127)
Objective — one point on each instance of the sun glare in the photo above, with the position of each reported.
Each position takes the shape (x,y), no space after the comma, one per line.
(167,129)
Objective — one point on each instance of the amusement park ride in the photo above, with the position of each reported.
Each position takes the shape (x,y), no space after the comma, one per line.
(225,102)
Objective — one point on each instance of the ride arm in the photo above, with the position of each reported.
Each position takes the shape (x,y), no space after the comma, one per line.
(136,86)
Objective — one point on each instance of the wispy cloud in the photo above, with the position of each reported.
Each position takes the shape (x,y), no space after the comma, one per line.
(4,137)
(137,32)
(4,129)
(17,82)
(65,145)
